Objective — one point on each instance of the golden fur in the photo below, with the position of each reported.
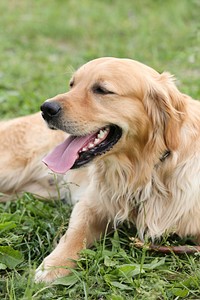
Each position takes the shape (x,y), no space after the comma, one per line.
(133,181)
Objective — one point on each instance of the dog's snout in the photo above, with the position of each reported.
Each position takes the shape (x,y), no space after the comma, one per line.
(50,109)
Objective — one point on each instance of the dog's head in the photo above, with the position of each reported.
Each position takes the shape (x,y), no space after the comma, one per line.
(111,103)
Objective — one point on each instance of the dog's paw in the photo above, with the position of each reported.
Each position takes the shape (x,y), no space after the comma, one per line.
(50,271)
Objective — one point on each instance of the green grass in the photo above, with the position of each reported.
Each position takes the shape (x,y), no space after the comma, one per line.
(41,43)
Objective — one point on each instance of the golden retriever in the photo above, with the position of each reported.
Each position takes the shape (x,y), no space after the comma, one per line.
(24,141)
(139,137)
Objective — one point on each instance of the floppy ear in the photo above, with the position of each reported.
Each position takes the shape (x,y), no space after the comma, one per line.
(165,106)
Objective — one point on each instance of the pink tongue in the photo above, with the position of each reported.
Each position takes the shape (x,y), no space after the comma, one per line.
(62,158)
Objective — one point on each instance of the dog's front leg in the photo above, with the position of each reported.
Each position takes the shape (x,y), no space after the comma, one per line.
(84,227)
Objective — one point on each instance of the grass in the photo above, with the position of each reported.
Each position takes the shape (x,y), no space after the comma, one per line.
(42,42)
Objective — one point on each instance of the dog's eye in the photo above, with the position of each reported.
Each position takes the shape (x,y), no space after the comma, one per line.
(97,89)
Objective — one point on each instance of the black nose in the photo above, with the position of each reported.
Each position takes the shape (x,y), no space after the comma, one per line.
(50,109)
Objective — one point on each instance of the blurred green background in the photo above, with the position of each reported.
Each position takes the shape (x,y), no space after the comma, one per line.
(43,41)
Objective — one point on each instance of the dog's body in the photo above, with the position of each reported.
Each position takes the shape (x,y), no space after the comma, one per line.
(143,136)
(149,174)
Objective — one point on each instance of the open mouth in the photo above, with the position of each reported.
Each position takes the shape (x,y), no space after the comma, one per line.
(77,151)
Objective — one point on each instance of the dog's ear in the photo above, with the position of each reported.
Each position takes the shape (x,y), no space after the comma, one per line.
(165,106)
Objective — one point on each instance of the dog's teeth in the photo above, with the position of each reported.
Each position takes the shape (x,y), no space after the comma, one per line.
(96,141)
(101,134)
(90,145)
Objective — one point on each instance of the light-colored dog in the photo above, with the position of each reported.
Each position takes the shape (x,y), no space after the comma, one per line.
(139,137)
